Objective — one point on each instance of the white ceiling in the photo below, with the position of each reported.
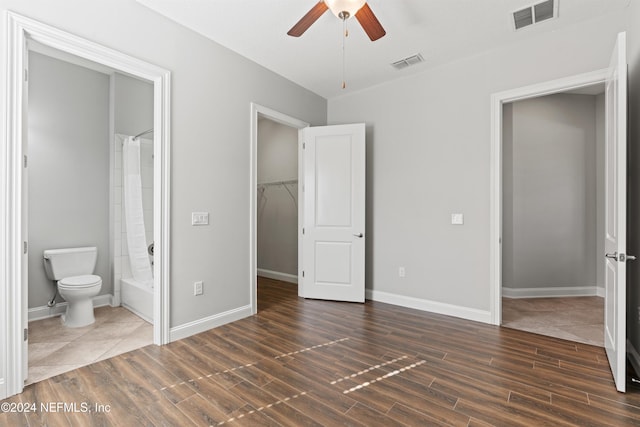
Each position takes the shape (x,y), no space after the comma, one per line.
(441,30)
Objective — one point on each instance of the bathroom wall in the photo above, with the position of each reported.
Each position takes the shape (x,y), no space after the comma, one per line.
(277,210)
(550,193)
(68,172)
(600,166)
(133,114)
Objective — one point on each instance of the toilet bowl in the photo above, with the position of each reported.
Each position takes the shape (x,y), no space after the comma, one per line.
(72,270)
(79,291)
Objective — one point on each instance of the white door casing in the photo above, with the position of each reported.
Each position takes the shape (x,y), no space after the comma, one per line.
(332,261)
(616,212)
(13,184)
(25,222)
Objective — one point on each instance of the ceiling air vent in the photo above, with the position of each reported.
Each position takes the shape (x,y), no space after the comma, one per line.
(536,13)
(407,62)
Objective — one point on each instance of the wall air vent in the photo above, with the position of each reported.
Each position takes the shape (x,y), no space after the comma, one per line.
(407,62)
(536,13)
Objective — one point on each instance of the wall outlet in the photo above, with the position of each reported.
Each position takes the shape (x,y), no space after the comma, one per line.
(401,272)
(197,288)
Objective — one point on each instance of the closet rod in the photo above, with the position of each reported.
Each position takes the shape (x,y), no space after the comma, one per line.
(267,184)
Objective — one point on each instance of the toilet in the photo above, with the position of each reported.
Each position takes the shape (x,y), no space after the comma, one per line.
(72,268)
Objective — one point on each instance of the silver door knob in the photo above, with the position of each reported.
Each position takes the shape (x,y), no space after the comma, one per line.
(359,235)
(612,256)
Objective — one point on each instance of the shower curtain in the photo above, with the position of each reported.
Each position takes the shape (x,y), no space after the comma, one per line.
(133,212)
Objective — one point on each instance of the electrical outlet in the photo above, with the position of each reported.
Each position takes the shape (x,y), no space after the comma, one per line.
(197,288)
(401,272)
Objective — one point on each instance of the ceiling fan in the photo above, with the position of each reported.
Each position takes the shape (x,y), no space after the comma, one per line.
(343,9)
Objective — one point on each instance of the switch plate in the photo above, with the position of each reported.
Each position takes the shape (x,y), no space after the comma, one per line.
(401,272)
(197,288)
(199,218)
(457,219)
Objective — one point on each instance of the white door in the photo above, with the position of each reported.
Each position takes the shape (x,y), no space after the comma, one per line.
(616,213)
(333,218)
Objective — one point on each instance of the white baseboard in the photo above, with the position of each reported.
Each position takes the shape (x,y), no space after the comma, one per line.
(44,312)
(634,357)
(567,291)
(201,325)
(430,306)
(275,275)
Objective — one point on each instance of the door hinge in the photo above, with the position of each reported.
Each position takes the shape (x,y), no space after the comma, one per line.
(25,160)
(304,145)
(302,230)
(24,247)
(302,273)
(26,334)
(26,75)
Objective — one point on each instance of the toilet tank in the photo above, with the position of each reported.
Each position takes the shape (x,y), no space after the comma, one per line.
(61,263)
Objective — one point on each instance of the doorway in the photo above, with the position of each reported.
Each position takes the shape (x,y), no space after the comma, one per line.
(15,211)
(75,199)
(553,215)
(277,202)
(275,211)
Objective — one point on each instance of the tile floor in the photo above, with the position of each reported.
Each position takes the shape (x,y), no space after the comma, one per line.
(54,349)
(578,319)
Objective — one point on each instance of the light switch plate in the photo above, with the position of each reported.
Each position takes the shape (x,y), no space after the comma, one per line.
(457,219)
(199,218)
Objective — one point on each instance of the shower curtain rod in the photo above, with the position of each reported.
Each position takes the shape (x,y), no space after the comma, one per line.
(143,133)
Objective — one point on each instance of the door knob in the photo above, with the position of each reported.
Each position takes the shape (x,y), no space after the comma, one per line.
(621,257)
(359,235)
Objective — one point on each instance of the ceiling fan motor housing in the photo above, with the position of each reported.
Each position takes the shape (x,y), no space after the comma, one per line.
(344,9)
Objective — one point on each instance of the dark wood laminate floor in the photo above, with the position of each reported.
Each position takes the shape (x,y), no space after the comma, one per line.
(312,363)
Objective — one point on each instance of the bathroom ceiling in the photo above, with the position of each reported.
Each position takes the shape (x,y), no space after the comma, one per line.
(440,30)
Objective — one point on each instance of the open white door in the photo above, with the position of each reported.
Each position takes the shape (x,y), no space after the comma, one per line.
(616,213)
(332,259)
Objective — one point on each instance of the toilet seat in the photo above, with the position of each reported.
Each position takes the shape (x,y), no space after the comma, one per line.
(84,281)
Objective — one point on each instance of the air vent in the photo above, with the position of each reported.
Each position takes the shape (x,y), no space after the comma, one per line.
(536,13)
(407,62)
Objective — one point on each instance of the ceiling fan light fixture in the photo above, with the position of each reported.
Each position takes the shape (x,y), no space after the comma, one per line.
(351,7)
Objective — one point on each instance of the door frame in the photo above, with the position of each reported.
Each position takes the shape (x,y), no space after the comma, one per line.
(257,111)
(19,29)
(495,199)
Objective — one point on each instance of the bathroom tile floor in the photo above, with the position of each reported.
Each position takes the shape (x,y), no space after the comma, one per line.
(579,319)
(54,349)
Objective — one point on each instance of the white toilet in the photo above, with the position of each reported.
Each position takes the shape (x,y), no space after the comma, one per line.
(72,269)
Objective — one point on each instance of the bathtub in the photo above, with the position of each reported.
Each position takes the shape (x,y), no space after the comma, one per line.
(137,297)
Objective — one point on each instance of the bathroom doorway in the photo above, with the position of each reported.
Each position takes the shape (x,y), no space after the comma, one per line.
(76,166)
(24,34)
(553,215)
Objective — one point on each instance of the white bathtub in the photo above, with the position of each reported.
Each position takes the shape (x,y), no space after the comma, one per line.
(137,297)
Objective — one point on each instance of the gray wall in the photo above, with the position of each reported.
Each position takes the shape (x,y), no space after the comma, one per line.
(600,153)
(212,88)
(277,211)
(133,110)
(633,225)
(550,193)
(68,166)
(428,155)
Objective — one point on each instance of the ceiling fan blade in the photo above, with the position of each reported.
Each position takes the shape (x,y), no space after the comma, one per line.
(370,23)
(307,20)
